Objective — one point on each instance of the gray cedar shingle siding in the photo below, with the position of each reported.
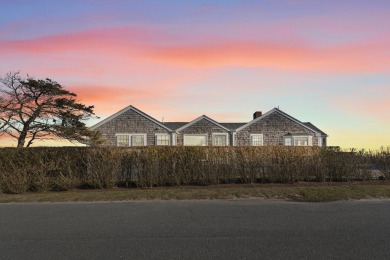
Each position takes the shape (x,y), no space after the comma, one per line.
(129,122)
(273,127)
(203,126)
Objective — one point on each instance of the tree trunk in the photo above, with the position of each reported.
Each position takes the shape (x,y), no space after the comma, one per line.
(22,139)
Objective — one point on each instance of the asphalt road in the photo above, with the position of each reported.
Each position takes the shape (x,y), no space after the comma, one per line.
(243,229)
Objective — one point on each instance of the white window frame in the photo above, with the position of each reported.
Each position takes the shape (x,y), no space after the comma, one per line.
(130,135)
(290,137)
(162,134)
(293,139)
(174,139)
(116,139)
(145,139)
(184,137)
(251,139)
(309,138)
(224,134)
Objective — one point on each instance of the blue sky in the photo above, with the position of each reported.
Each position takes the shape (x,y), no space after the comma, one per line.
(327,62)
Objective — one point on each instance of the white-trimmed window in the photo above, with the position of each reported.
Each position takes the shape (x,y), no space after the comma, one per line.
(256,139)
(298,140)
(195,140)
(287,140)
(162,139)
(301,140)
(174,139)
(138,139)
(319,141)
(220,139)
(122,140)
(131,139)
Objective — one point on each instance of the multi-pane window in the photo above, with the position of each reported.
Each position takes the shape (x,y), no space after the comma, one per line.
(122,140)
(301,140)
(162,139)
(195,140)
(256,139)
(138,140)
(298,140)
(220,139)
(287,141)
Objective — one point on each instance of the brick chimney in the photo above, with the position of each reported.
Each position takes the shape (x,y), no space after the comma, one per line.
(257,114)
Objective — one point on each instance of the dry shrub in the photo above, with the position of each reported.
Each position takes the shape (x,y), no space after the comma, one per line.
(55,168)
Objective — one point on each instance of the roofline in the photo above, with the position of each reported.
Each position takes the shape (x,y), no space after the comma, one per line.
(283,114)
(320,131)
(255,120)
(125,110)
(200,118)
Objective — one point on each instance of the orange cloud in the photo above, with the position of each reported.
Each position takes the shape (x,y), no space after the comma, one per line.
(99,94)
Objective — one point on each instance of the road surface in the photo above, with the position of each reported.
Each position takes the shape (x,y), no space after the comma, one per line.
(238,229)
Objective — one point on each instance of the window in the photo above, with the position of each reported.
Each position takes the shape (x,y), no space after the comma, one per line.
(287,141)
(298,140)
(122,140)
(195,140)
(138,140)
(256,139)
(301,140)
(220,139)
(319,141)
(162,139)
(130,139)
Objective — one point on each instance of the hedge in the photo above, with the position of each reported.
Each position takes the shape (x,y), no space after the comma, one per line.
(65,168)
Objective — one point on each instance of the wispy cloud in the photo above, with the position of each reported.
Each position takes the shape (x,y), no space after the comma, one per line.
(130,44)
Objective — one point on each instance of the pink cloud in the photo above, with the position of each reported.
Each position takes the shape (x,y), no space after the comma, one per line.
(110,41)
(119,46)
(366,57)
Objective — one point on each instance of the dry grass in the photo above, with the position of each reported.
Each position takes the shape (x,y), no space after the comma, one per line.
(296,192)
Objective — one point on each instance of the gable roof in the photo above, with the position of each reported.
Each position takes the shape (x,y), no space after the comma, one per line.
(315,128)
(232,126)
(277,110)
(128,109)
(201,118)
(174,125)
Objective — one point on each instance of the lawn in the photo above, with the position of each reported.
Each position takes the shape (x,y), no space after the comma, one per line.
(310,192)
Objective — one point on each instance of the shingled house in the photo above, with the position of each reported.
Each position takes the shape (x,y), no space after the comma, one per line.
(132,127)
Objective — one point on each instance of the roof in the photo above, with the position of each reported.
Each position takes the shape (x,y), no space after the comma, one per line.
(178,126)
(314,128)
(277,110)
(174,125)
(232,126)
(125,110)
(201,118)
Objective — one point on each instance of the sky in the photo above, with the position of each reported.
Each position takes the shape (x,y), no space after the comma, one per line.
(325,62)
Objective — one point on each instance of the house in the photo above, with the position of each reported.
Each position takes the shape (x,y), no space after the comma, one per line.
(132,127)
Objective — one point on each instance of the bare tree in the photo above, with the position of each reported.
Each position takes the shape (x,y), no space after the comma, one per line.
(33,109)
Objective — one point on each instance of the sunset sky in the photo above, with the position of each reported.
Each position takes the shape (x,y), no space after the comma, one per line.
(327,62)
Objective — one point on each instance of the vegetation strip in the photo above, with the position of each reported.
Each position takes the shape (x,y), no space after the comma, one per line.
(295,192)
(67,168)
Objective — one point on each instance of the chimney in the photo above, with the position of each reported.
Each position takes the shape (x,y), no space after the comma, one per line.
(257,114)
